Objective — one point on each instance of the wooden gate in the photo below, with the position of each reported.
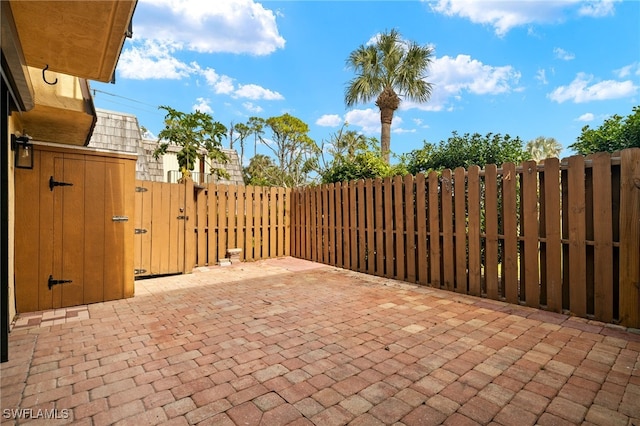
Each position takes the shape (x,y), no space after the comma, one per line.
(162,212)
(73,239)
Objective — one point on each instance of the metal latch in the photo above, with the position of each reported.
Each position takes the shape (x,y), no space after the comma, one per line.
(140,231)
(53,183)
(139,271)
(51,282)
(120,218)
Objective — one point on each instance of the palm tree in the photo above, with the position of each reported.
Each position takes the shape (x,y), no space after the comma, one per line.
(389,69)
(542,147)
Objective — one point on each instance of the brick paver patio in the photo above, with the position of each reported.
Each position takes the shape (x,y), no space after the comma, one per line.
(287,341)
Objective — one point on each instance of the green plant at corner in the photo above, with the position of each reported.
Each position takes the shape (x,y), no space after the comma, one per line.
(465,151)
(354,157)
(193,133)
(387,70)
(616,133)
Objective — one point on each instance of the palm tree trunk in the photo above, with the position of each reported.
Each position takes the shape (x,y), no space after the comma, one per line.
(386,116)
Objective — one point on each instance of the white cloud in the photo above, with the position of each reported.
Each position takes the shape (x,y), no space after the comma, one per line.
(152,60)
(563,54)
(453,76)
(541,76)
(239,26)
(330,120)
(221,84)
(249,106)
(626,71)
(597,8)
(583,89)
(401,130)
(254,92)
(202,105)
(586,117)
(503,16)
(368,119)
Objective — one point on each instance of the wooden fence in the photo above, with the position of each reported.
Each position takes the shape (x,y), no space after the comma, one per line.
(562,236)
(254,219)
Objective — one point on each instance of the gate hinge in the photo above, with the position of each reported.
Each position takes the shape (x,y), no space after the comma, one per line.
(139,271)
(51,282)
(141,189)
(120,218)
(140,231)
(53,183)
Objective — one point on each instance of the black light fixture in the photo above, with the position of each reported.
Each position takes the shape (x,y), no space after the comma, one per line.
(23,151)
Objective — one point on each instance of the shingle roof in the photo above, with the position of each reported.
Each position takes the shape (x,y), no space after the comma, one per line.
(118,131)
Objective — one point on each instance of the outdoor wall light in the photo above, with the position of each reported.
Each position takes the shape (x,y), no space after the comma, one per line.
(23,151)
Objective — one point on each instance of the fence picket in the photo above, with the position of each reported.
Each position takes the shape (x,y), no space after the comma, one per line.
(603,237)
(361,226)
(410,234)
(474,230)
(448,249)
(346,240)
(434,229)
(421,225)
(510,232)
(460,232)
(552,253)
(379,223)
(530,235)
(370,245)
(399,238)
(388,228)
(491,232)
(577,225)
(353,226)
(630,235)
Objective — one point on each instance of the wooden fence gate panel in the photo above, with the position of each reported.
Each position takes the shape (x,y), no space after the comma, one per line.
(74,240)
(161,217)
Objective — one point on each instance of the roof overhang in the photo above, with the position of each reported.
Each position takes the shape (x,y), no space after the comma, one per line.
(79,38)
(63,112)
(50,49)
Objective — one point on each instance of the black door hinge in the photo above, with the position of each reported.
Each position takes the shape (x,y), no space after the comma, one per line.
(51,282)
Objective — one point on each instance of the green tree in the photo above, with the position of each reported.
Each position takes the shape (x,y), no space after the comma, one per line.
(239,132)
(295,153)
(465,151)
(193,133)
(616,133)
(261,171)
(256,127)
(388,70)
(353,157)
(542,147)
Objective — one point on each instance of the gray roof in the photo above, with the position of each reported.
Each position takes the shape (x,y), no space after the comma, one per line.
(118,131)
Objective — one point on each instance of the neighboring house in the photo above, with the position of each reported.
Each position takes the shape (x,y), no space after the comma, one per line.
(49,51)
(117,131)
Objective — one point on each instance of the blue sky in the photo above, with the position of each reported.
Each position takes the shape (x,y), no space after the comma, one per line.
(526,68)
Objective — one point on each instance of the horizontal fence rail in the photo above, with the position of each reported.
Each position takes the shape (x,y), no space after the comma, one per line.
(562,236)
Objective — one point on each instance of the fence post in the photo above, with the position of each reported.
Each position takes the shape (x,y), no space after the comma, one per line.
(630,237)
